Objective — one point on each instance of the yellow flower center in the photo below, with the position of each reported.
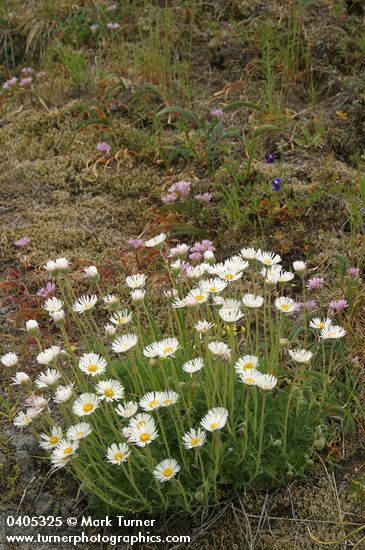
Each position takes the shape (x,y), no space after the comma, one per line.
(168,472)
(248,366)
(80,434)
(109,392)
(195,441)
(88,407)
(268,262)
(168,350)
(118,456)
(168,402)
(321,325)
(86,306)
(214,425)
(68,451)
(92,368)
(213,289)
(229,277)
(152,404)
(199,298)
(250,381)
(285,307)
(145,437)
(54,439)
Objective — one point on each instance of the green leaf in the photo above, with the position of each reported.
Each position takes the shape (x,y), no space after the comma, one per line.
(185,113)
(266,129)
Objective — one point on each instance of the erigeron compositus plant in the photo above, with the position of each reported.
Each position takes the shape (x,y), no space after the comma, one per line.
(161,409)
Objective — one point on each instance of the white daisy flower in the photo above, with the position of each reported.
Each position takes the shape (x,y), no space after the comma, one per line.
(143,434)
(197,296)
(92,273)
(213,285)
(285,304)
(63,393)
(180,303)
(110,330)
(62,265)
(196,271)
(20,379)
(215,419)
(136,281)
(49,355)
(92,364)
(47,379)
(170,293)
(285,276)
(79,431)
(85,404)
(116,454)
(250,377)
(203,327)
(252,301)
(168,398)
(63,451)
(220,349)
(52,305)
(194,365)
(164,348)
(110,390)
(58,316)
(209,257)
(124,343)
(271,274)
(50,440)
(110,300)
(138,295)
(230,315)
(156,241)
(300,355)
(9,359)
(319,323)
(246,363)
(51,267)
(179,251)
(140,420)
(333,332)
(84,303)
(248,253)
(121,317)
(32,327)
(166,470)
(151,401)
(299,267)
(267,258)
(266,382)
(22,419)
(194,438)
(127,409)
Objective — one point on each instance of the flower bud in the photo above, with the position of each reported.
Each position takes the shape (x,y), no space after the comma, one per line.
(32,327)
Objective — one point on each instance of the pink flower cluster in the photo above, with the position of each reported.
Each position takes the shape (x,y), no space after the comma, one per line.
(198,249)
(314,283)
(310,305)
(338,305)
(177,192)
(47,290)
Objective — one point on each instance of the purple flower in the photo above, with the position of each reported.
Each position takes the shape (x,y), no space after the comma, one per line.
(27,70)
(217,112)
(363,224)
(9,83)
(23,242)
(276,184)
(26,81)
(103,147)
(47,290)
(310,305)
(198,249)
(135,243)
(314,283)
(113,26)
(338,305)
(94,28)
(353,272)
(169,198)
(270,158)
(205,198)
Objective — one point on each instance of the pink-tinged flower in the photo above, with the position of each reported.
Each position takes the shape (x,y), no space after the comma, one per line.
(26,81)
(47,290)
(103,147)
(338,305)
(36,401)
(10,83)
(353,272)
(113,26)
(314,283)
(310,305)
(27,70)
(94,28)
(198,249)
(135,243)
(205,198)
(22,243)
(170,198)
(217,113)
